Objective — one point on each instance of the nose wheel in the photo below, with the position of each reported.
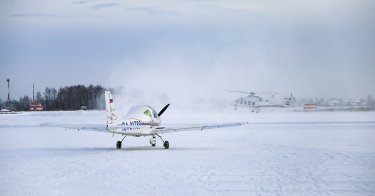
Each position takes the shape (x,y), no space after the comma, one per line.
(153,141)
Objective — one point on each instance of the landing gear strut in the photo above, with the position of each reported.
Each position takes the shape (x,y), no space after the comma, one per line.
(118,144)
(165,143)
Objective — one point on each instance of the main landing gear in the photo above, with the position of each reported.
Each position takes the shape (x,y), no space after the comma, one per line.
(165,143)
(118,144)
(152,142)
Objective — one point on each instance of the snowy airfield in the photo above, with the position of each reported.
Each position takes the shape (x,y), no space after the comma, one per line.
(277,153)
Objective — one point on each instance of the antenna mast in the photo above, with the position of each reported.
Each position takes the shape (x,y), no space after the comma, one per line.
(33,92)
(8,80)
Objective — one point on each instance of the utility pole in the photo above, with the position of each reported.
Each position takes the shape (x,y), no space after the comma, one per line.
(33,92)
(8,80)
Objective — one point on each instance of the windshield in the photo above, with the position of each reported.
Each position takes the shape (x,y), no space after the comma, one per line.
(154,113)
(151,113)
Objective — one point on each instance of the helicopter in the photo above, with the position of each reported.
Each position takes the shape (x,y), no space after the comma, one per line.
(256,101)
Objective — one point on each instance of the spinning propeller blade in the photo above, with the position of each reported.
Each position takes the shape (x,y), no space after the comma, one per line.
(163,110)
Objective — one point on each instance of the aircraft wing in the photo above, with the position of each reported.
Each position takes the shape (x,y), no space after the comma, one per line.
(195,127)
(88,127)
(159,130)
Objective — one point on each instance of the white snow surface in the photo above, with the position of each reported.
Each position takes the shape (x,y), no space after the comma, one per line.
(277,153)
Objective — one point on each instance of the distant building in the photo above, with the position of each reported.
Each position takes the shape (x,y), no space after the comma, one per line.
(335,102)
(36,106)
(357,102)
(310,106)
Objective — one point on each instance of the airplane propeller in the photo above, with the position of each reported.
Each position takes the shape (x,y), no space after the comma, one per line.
(163,110)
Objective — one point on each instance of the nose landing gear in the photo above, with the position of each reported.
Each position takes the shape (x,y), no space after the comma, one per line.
(153,141)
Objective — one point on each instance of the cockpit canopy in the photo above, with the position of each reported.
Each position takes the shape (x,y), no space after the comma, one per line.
(143,113)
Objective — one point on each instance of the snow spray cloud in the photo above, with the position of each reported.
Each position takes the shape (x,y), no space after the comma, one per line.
(158,81)
(191,67)
(194,70)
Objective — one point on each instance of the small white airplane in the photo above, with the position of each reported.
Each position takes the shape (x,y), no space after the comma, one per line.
(140,121)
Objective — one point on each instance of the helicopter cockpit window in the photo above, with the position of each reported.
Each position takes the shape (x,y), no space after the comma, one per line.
(148,113)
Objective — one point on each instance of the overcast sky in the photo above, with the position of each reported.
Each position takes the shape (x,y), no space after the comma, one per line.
(192,49)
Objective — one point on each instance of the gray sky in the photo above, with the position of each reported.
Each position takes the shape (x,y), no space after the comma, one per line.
(190,50)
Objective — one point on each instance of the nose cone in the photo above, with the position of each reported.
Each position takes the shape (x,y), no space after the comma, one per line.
(157,120)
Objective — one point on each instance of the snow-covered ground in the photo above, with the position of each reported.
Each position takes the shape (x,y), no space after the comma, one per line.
(277,153)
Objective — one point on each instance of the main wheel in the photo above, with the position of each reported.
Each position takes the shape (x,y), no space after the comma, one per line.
(118,145)
(166,144)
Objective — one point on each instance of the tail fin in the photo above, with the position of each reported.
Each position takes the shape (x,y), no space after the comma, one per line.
(112,119)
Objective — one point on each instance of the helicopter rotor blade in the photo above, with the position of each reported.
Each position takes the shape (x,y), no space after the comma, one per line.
(244,92)
(269,92)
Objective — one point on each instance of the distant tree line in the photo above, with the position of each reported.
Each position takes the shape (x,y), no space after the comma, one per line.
(65,98)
